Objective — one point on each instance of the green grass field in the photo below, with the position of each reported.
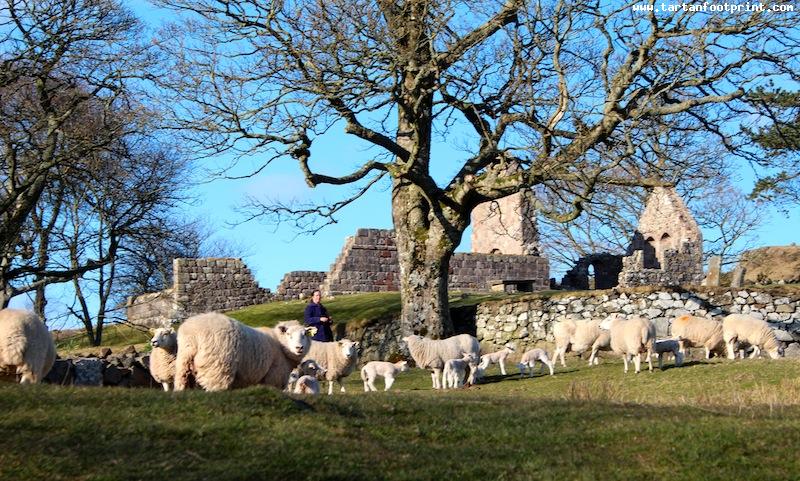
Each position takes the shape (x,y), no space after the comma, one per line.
(718,420)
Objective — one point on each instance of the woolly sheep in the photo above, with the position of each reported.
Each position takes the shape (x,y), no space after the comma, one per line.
(529,360)
(431,354)
(602,343)
(757,333)
(387,370)
(309,367)
(575,336)
(222,353)
(698,331)
(25,345)
(629,338)
(663,346)
(337,358)
(498,357)
(162,358)
(307,384)
(455,370)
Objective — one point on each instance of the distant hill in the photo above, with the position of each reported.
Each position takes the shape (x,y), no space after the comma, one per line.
(770,265)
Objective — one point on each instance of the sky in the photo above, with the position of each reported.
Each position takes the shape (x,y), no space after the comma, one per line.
(272,251)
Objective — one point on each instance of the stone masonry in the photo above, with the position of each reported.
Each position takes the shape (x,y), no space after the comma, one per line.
(299,284)
(199,285)
(368,263)
(667,246)
(506,226)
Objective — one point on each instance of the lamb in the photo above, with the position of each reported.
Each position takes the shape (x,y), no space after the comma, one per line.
(162,358)
(26,346)
(337,358)
(388,370)
(498,357)
(629,338)
(309,367)
(455,370)
(575,336)
(431,354)
(757,333)
(529,360)
(222,353)
(664,346)
(696,332)
(307,384)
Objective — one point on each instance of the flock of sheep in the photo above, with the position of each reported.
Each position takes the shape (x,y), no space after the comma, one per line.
(216,352)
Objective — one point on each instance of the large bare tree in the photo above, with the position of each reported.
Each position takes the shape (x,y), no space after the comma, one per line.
(543,90)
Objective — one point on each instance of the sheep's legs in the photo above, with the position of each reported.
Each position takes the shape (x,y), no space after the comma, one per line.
(625,360)
(649,359)
(388,380)
(637,362)
(756,352)
(502,366)
(436,375)
(165,385)
(729,348)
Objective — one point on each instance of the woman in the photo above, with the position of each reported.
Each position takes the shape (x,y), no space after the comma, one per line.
(317,316)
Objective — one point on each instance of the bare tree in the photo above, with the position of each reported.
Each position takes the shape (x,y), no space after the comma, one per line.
(545,90)
(64,70)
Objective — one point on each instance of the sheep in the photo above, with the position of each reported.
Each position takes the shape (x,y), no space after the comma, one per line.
(162,358)
(757,333)
(602,343)
(337,358)
(664,346)
(529,361)
(630,338)
(498,357)
(388,370)
(26,346)
(222,353)
(455,370)
(576,336)
(309,367)
(307,384)
(431,354)
(698,331)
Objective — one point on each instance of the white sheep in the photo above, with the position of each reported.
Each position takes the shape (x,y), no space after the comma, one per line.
(529,360)
(498,357)
(26,346)
(387,370)
(455,370)
(602,343)
(307,384)
(696,332)
(308,367)
(431,354)
(630,338)
(663,346)
(162,358)
(757,333)
(576,336)
(337,358)
(222,353)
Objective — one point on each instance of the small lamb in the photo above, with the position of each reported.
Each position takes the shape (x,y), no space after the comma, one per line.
(387,370)
(664,346)
(307,385)
(309,367)
(529,360)
(455,370)
(498,357)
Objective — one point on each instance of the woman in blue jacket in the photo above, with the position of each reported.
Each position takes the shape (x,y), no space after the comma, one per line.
(317,316)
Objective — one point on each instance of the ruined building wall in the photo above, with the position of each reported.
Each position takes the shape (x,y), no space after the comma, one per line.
(299,284)
(506,226)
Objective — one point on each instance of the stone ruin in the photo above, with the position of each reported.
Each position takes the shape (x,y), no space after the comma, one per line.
(506,226)
(199,285)
(594,271)
(667,246)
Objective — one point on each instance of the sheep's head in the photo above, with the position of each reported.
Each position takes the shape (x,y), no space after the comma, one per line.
(348,348)
(164,338)
(311,368)
(295,338)
(402,366)
(412,337)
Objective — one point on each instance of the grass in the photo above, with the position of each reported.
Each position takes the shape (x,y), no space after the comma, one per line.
(717,420)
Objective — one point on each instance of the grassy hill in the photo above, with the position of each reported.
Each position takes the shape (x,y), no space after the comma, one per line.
(717,420)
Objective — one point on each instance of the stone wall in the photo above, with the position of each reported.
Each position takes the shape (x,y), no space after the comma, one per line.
(199,285)
(506,226)
(299,284)
(368,263)
(528,321)
(678,267)
(606,272)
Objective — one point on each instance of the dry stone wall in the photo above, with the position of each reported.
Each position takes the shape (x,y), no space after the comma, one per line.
(368,263)
(199,285)
(299,284)
(528,321)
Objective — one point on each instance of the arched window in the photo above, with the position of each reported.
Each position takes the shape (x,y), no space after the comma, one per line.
(592,282)
(650,254)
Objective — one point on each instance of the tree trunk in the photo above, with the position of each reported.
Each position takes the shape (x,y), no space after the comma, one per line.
(424,245)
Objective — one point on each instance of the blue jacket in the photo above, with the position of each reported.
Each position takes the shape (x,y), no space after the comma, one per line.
(312,315)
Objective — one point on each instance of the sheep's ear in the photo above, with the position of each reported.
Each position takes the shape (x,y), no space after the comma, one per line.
(282,328)
(311,331)
(357,345)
